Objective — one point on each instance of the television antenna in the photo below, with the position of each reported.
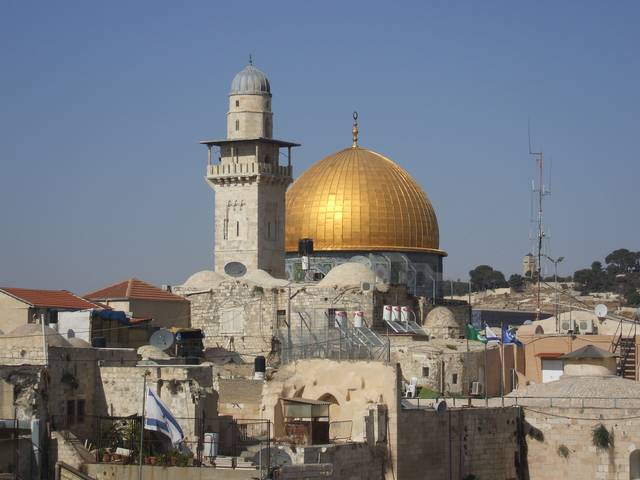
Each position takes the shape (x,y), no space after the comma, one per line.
(539,190)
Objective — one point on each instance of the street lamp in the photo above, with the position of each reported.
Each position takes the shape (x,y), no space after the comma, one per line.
(555,280)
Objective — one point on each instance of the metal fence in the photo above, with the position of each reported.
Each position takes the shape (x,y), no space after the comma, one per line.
(579,403)
(317,333)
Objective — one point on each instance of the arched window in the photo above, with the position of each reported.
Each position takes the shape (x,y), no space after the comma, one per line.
(634,465)
(237,229)
(237,125)
(327,397)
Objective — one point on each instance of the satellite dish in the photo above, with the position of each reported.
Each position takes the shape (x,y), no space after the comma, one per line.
(235,269)
(601,310)
(162,339)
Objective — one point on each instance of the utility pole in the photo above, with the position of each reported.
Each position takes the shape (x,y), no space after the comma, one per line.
(555,280)
(540,191)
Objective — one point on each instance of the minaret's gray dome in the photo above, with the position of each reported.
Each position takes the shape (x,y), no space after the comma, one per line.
(249,81)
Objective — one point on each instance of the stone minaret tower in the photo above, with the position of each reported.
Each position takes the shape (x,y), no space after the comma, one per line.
(248,180)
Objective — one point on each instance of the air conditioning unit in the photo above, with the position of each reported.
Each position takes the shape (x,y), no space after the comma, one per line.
(477,388)
(586,326)
(365,286)
(567,326)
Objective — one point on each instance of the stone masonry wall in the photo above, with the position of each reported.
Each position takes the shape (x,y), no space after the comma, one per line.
(572,429)
(460,442)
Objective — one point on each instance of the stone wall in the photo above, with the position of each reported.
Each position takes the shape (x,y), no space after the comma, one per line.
(101,471)
(457,443)
(187,391)
(565,444)
(350,461)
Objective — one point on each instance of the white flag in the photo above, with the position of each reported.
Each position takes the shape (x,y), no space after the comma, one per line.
(160,419)
(490,335)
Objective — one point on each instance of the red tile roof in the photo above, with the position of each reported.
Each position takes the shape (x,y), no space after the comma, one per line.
(133,289)
(50,298)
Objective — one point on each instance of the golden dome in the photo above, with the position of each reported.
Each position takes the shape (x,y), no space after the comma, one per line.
(359,200)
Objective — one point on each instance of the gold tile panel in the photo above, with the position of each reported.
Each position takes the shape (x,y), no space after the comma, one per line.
(357,199)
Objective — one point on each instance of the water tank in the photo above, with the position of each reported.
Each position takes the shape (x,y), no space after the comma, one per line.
(259,367)
(395,313)
(305,247)
(386,313)
(358,319)
(210,445)
(405,314)
(99,342)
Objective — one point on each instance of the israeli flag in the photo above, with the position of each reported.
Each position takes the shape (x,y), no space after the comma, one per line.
(160,419)
(490,335)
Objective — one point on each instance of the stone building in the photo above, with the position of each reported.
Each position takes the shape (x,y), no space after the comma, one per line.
(19,306)
(562,416)
(248,180)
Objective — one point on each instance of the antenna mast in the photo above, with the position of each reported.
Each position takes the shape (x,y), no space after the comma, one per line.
(540,191)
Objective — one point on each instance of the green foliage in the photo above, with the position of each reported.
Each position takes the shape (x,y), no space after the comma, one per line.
(621,274)
(516,282)
(563,451)
(535,433)
(428,393)
(484,277)
(602,438)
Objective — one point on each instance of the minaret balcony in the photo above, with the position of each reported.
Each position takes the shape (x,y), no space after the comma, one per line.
(244,169)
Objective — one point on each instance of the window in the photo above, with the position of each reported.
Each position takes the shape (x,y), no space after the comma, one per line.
(425,371)
(232,321)
(237,103)
(80,411)
(268,230)
(225,229)
(454,379)
(237,229)
(281,318)
(237,125)
(71,412)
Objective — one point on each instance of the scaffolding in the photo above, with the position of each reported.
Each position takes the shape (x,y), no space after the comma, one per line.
(319,333)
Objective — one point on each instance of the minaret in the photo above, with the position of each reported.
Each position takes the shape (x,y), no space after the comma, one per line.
(248,180)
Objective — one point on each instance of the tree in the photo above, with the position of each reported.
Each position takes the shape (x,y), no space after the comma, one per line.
(516,282)
(484,277)
(623,261)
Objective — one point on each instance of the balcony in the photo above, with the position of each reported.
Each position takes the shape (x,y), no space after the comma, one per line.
(248,169)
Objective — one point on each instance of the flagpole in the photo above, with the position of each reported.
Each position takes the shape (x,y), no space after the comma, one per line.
(144,398)
(502,362)
(486,397)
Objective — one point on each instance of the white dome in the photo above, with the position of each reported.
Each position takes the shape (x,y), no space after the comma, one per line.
(203,280)
(149,352)
(250,81)
(348,273)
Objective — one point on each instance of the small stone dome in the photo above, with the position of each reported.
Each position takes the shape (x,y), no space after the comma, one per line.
(78,342)
(250,81)
(348,274)
(32,332)
(149,352)
(441,323)
(203,280)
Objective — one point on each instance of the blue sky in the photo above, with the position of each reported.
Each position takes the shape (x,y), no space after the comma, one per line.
(103,105)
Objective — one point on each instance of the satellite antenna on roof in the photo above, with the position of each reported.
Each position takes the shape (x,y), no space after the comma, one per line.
(235,269)
(601,311)
(161,339)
